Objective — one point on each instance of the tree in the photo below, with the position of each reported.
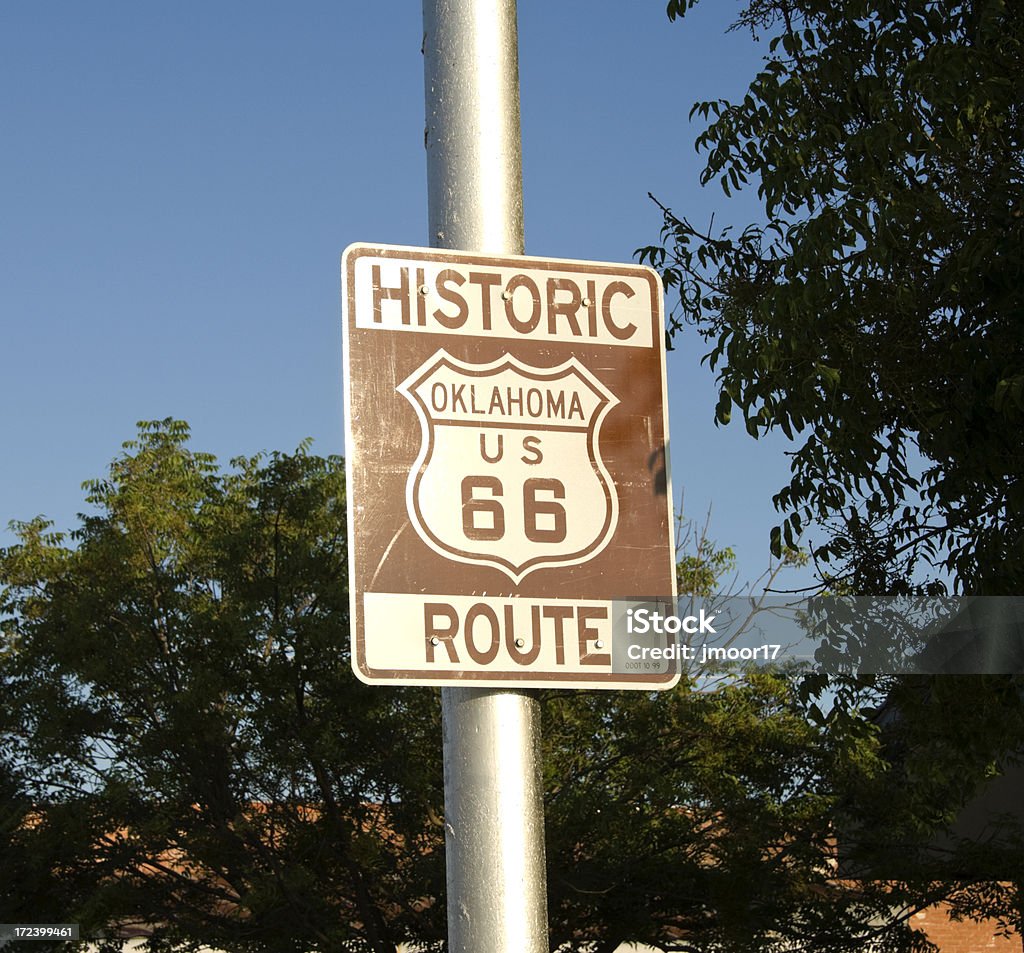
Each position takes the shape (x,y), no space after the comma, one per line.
(875,314)
(696,821)
(730,820)
(741,818)
(179,713)
(184,746)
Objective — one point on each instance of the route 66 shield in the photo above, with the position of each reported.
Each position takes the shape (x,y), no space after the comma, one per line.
(509,472)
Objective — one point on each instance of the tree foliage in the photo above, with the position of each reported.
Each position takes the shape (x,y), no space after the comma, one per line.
(179,712)
(747,819)
(700,821)
(183,747)
(875,314)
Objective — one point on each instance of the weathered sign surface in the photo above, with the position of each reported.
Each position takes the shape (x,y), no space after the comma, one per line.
(506,462)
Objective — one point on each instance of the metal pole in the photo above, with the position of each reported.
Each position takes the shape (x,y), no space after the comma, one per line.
(494,819)
(474,169)
(494,822)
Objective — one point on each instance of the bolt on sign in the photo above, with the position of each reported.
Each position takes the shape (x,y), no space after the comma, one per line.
(506,462)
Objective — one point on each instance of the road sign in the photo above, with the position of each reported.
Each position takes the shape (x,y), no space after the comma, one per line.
(506,463)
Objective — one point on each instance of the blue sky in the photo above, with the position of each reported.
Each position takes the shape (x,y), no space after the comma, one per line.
(179,180)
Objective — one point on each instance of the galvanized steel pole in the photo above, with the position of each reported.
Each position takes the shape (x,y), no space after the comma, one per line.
(474,169)
(494,820)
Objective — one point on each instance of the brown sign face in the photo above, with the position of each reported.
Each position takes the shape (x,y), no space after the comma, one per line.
(506,461)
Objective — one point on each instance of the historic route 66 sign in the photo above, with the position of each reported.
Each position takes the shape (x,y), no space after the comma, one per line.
(506,464)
